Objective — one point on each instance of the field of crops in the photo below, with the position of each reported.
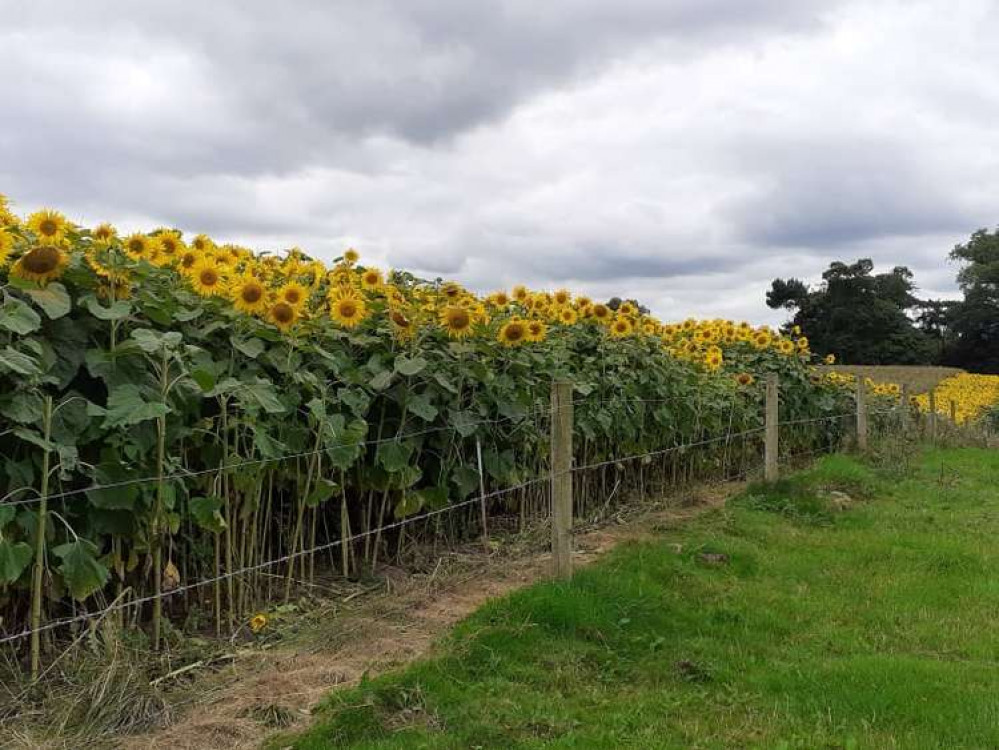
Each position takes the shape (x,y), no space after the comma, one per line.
(176,413)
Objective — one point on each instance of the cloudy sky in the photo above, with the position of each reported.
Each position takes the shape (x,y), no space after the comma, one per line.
(683,152)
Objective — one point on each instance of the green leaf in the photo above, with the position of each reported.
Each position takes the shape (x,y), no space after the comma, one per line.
(421,407)
(410,503)
(81,570)
(382,380)
(35,438)
(115,311)
(7,514)
(14,558)
(153,341)
(324,490)
(466,479)
(204,379)
(464,422)
(252,348)
(24,407)
(19,362)
(410,366)
(263,394)
(207,513)
(53,299)
(17,316)
(122,497)
(127,407)
(394,456)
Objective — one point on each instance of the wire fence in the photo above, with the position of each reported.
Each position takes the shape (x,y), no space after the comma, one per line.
(746,464)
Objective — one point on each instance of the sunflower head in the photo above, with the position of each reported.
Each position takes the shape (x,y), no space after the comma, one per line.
(283,315)
(207,278)
(294,294)
(49,226)
(830,359)
(41,264)
(202,243)
(513,333)
(621,327)
(567,316)
(745,379)
(351,256)
(520,293)
(562,297)
(536,330)
(371,278)
(104,233)
(457,321)
(347,308)
(258,622)
(170,245)
(601,313)
(6,245)
(248,295)
(138,247)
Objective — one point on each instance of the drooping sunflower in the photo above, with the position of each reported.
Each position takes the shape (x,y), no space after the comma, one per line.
(207,278)
(294,294)
(138,247)
(513,333)
(621,327)
(49,226)
(371,278)
(347,308)
(248,295)
(41,264)
(114,288)
(283,315)
(536,330)
(457,321)
(402,325)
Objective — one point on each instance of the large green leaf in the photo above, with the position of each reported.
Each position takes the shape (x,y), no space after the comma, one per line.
(82,572)
(252,348)
(18,317)
(14,558)
(126,406)
(207,513)
(410,365)
(53,299)
(115,311)
(381,381)
(18,362)
(263,394)
(24,407)
(395,455)
(420,406)
(153,341)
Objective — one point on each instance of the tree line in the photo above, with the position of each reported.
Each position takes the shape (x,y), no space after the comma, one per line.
(877,319)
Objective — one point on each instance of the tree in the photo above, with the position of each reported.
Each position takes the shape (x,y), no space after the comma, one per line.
(974,321)
(860,317)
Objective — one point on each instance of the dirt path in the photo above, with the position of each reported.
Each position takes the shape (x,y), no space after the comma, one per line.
(266,690)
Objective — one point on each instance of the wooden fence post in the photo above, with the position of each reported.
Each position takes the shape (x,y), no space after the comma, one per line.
(561,453)
(771,445)
(953,411)
(905,409)
(932,417)
(482,498)
(861,415)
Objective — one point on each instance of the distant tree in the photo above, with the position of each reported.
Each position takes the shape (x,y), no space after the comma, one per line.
(933,317)
(974,321)
(859,317)
(615,302)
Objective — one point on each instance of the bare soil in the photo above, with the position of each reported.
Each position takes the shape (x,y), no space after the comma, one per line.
(265,691)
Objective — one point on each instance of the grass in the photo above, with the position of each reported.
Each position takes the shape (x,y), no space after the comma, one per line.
(842,608)
(920,379)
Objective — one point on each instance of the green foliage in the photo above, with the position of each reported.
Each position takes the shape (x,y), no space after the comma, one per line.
(974,321)
(859,317)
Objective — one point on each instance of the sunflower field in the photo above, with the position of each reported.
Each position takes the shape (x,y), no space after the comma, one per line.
(176,411)
(973,396)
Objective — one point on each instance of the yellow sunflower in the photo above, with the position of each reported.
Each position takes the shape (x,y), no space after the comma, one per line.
(457,321)
(744,379)
(118,287)
(202,243)
(621,327)
(830,359)
(347,308)
(452,291)
(513,333)
(371,278)
(283,315)
(248,295)
(187,261)
(562,297)
(104,233)
(520,293)
(402,324)
(49,226)
(294,294)
(601,313)
(170,246)
(536,330)
(351,256)
(41,264)
(207,278)
(138,247)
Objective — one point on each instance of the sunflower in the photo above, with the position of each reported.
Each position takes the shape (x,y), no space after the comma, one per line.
(115,288)
(601,313)
(371,278)
(49,226)
(830,359)
(248,295)
(402,325)
(457,321)
(562,297)
(6,245)
(582,302)
(258,622)
(170,246)
(452,291)
(785,346)
(513,333)
(104,233)
(283,315)
(744,379)
(621,327)
(188,260)
(761,340)
(294,294)
(713,360)
(347,308)
(207,278)
(567,316)
(499,299)
(41,264)
(626,308)
(536,330)
(202,243)
(138,246)
(520,293)
(351,256)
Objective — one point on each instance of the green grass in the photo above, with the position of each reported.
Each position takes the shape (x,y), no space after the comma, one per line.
(870,627)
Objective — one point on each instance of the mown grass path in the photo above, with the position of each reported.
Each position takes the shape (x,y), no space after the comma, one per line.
(847,607)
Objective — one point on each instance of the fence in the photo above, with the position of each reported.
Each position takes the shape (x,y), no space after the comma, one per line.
(733,454)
